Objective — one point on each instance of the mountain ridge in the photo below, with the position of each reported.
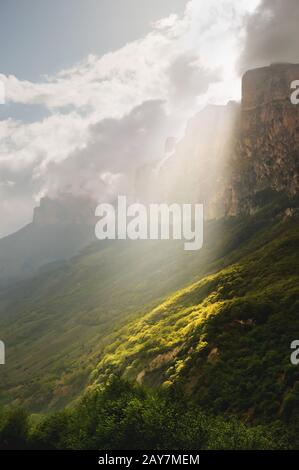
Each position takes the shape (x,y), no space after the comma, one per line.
(217,323)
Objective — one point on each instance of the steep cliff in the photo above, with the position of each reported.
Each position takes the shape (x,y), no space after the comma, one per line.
(59,230)
(234,157)
(267,145)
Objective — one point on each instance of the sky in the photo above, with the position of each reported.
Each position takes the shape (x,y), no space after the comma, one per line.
(93,88)
(40,38)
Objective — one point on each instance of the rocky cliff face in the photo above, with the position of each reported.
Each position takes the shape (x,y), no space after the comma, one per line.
(267,148)
(60,229)
(232,157)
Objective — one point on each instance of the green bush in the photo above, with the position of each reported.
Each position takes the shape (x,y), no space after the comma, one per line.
(128,416)
(14,427)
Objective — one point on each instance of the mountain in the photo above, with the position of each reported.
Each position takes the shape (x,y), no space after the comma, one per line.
(211,329)
(60,228)
(218,323)
(267,145)
(233,155)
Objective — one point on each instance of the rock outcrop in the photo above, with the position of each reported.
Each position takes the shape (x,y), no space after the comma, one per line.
(60,229)
(233,157)
(267,148)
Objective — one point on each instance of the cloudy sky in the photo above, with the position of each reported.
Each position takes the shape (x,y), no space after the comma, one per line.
(94,87)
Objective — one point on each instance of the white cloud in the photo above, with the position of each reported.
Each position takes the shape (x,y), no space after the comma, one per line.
(203,45)
(112,84)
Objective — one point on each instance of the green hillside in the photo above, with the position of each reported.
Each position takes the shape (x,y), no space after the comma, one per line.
(226,338)
(56,325)
(217,323)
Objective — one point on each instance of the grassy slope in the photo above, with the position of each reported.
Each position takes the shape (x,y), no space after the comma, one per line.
(56,325)
(227,336)
(236,317)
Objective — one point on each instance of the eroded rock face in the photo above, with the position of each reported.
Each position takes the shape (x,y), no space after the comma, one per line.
(267,149)
(231,155)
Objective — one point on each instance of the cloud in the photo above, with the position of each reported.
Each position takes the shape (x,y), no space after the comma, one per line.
(189,78)
(25,153)
(116,148)
(110,114)
(202,41)
(272,34)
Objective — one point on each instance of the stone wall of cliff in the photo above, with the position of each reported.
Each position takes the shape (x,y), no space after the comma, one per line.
(231,155)
(267,145)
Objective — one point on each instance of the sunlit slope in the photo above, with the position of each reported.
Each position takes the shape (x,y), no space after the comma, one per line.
(227,336)
(56,325)
(91,313)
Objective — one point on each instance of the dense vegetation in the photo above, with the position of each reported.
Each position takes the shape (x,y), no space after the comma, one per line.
(125,416)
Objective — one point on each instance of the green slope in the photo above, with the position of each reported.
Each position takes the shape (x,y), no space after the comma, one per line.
(117,307)
(226,338)
(56,325)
